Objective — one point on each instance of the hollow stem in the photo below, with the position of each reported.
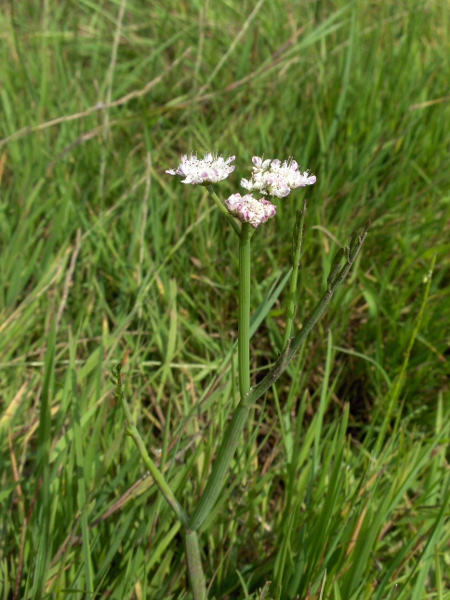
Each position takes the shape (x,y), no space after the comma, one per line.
(194,564)
(193,556)
(244,310)
(223,209)
(235,428)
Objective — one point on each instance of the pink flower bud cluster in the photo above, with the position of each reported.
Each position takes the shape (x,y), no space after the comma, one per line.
(250,210)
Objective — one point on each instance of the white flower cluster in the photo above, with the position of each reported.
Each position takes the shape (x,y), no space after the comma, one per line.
(276,179)
(250,210)
(269,178)
(209,169)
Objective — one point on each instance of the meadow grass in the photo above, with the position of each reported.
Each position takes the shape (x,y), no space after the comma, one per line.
(340,488)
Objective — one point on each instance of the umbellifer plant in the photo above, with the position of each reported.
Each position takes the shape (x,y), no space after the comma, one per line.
(269,179)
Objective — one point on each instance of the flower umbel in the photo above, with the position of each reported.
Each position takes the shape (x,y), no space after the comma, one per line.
(209,169)
(276,179)
(250,210)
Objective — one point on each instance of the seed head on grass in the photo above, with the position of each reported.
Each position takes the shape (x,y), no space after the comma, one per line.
(275,178)
(209,169)
(250,210)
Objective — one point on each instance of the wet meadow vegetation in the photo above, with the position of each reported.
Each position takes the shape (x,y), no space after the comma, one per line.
(339,487)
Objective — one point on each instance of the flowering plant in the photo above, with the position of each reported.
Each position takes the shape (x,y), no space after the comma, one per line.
(276,179)
(210,169)
(271,179)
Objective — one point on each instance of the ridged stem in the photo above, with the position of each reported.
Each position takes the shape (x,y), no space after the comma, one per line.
(244,310)
(234,430)
(223,209)
(219,471)
(193,556)
(194,564)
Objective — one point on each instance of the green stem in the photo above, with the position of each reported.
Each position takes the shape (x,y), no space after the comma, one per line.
(194,563)
(234,431)
(221,464)
(297,244)
(193,557)
(235,428)
(223,209)
(335,279)
(244,310)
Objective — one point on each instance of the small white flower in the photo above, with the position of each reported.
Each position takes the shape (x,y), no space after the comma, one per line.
(256,183)
(276,179)
(250,210)
(260,164)
(209,169)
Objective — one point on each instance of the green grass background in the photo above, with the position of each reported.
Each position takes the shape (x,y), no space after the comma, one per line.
(105,258)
